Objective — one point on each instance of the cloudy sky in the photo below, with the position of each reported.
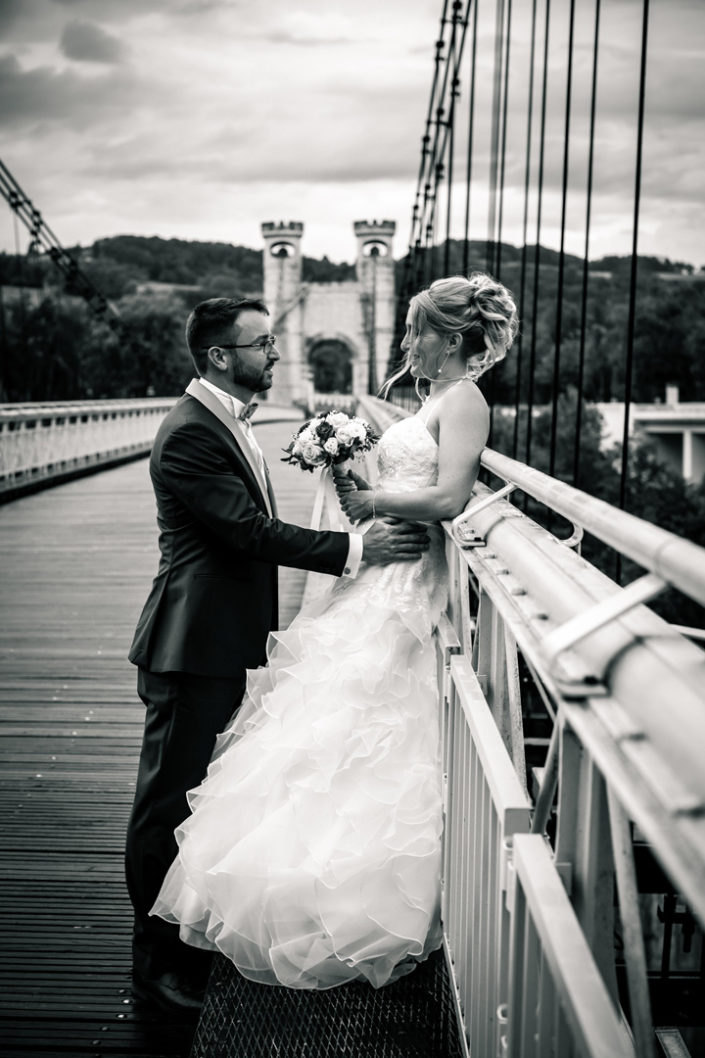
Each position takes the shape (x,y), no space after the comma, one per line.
(199,119)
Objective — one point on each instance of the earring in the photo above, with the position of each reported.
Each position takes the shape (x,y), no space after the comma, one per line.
(445,358)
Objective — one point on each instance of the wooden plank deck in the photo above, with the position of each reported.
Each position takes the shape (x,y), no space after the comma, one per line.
(77,562)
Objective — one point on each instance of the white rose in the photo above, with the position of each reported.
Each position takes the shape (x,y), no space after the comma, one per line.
(305,435)
(313,454)
(315,423)
(346,434)
(332,446)
(298,447)
(336,419)
(359,428)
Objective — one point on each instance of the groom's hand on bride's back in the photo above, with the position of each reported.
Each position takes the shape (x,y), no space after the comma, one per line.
(389,540)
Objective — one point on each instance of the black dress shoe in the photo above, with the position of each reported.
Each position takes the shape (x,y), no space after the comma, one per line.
(170,991)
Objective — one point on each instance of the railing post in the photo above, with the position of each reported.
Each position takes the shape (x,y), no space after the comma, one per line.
(593,875)
(482,644)
(633,937)
(570,756)
(512,705)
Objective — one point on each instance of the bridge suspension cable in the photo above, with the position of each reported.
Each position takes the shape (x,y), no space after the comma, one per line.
(629,350)
(525,228)
(41,236)
(477,46)
(586,249)
(555,382)
(537,246)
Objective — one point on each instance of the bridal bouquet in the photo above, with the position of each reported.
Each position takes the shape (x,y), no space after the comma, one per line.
(329,439)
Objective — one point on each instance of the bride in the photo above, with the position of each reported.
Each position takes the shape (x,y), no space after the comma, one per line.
(312,855)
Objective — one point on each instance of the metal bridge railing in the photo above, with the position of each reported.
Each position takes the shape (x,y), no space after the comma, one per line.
(530,919)
(485,807)
(44,442)
(559,1003)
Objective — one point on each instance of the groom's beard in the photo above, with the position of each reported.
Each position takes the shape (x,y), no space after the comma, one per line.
(251,378)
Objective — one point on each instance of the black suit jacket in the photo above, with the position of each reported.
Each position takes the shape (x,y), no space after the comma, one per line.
(213,602)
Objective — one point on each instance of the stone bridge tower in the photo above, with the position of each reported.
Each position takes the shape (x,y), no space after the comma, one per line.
(283,294)
(331,335)
(375,274)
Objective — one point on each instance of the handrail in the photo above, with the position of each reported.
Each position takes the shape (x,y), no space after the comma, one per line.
(42,444)
(45,443)
(678,561)
(26,411)
(617,674)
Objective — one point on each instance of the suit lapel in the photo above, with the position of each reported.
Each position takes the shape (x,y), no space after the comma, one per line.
(208,400)
(270,491)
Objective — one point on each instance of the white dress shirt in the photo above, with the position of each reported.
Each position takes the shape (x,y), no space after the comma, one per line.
(235,407)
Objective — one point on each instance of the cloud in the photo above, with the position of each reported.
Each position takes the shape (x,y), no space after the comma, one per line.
(102,8)
(205,7)
(232,110)
(39,99)
(9,11)
(122,11)
(85,42)
(282,36)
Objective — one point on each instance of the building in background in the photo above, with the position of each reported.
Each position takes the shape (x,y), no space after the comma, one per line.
(333,337)
(676,427)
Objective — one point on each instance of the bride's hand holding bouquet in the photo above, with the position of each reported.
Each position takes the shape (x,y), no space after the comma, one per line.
(355,495)
(329,441)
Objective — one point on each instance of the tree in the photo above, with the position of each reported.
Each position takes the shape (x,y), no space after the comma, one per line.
(20,270)
(43,350)
(148,358)
(228,283)
(112,278)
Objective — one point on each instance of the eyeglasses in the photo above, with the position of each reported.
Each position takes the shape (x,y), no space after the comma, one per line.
(264,343)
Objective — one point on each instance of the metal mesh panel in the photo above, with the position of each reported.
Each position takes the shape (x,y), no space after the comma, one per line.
(412,1018)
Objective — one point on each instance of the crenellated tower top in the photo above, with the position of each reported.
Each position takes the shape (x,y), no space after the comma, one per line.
(283,239)
(293,227)
(374,240)
(375,227)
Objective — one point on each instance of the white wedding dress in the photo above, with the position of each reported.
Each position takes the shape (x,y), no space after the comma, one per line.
(312,856)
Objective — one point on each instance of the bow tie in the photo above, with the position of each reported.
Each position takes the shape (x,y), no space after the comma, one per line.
(248,411)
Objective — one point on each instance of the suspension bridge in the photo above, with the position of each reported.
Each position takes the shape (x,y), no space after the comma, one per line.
(573,714)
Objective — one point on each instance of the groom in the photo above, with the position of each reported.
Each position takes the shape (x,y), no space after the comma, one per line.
(212,606)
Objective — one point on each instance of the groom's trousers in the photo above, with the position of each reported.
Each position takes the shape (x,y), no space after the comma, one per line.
(184,714)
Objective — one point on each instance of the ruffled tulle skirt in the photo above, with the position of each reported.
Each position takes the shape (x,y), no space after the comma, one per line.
(312,855)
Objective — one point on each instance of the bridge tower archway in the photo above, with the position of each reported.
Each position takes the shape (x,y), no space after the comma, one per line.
(330,359)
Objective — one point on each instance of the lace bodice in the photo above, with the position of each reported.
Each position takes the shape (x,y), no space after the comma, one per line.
(407,459)
(407,456)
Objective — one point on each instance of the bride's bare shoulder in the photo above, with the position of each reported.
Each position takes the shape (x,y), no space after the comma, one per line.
(464,400)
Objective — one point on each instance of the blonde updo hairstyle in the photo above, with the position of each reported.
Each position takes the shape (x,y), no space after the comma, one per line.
(478,307)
